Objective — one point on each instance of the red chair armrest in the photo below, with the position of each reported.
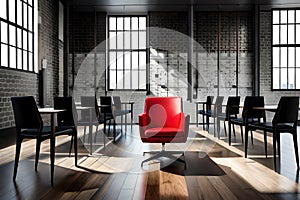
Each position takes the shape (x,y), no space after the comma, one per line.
(184,123)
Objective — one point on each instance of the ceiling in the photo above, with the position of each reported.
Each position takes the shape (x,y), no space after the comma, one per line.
(176,5)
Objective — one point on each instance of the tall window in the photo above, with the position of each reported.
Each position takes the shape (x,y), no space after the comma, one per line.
(127,53)
(17,34)
(286,49)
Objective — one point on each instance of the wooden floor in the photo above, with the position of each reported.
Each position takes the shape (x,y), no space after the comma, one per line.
(114,172)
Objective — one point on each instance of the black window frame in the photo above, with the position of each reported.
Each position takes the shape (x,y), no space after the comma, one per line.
(286,45)
(131,51)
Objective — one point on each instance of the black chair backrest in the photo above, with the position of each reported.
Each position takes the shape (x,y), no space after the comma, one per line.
(233,105)
(287,110)
(117,102)
(90,101)
(26,113)
(250,102)
(106,104)
(218,105)
(209,100)
(68,117)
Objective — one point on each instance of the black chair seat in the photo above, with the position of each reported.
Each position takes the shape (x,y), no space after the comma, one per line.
(46,132)
(268,126)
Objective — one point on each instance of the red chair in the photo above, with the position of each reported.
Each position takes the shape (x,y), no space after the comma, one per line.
(163,121)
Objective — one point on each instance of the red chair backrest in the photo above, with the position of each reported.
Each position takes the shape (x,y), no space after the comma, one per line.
(164,111)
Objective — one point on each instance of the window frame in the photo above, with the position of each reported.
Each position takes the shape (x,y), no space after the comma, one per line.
(25,36)
(294,46)
(123,51)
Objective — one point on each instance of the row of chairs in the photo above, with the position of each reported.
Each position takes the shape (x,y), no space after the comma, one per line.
(284,120)
(30,125)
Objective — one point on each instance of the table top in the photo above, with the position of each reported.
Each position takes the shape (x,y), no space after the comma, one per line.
(50,110)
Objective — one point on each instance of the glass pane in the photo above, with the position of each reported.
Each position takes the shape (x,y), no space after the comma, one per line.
(4,55)
(30,42)
(298,17)
(135,60)
(283,57)
(276,56)
(112,79)
(297,34)
(297,79)
(291,60)
(19,37)
(298,58)
(12,35)
(142,60)
(30,2)
(30,67)
(3,32)
(120,23)
(120,61)
(127,60)
(135,23)
(283,76)
(19,57)
(112,23)
(283,34)
(142,23)
(135,41)
(127,40)
(13,57)
(142,40)
(19,12)
(112,60)
(142,79)
(127,23)
(127,80)
(291,77)
(30,19)
(25,40)
(3,13)
(276,34)
(112,40)
(25,22)
(135,79)
(12,10)
(283,16)
(120,80)
(291,34)
(25,64)
(291,16)
(120,41)
(275,16)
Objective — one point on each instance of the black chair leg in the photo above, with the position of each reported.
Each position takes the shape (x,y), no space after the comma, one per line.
(266,143)
(84,132)
(246,142)
(72,138)
(252,139)
(17,157)
(296,149)
(75,147)
(229,132)
(225,131)
(274,151)
(37,153)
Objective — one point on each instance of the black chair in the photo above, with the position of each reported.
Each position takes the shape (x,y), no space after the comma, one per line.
(204,111)
(67,119)
(118,111)
(91,116)
(29,125)
(217,108)
(284,121)
(249,115)
(108,111)
(231,112)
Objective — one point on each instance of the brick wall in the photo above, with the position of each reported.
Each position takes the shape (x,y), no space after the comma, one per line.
(271,97)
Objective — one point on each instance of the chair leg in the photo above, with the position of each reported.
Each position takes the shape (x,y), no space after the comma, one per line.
(296,148)
(229,132)
(225,131)
(203,124)
(274,150)
(84,132)
(207,122)
(72,138)
(75,147)
(252,138)
(266,143)
(37,153)
(95,137)
(242,136)
(17,156)
(246,141)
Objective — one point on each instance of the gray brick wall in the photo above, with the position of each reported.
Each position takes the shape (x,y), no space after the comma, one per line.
(271,97)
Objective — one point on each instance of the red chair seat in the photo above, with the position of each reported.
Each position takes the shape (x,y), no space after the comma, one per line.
(164,132)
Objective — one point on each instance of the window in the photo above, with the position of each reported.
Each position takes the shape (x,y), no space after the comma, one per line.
(18,34)
(286,49)
(127,53)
